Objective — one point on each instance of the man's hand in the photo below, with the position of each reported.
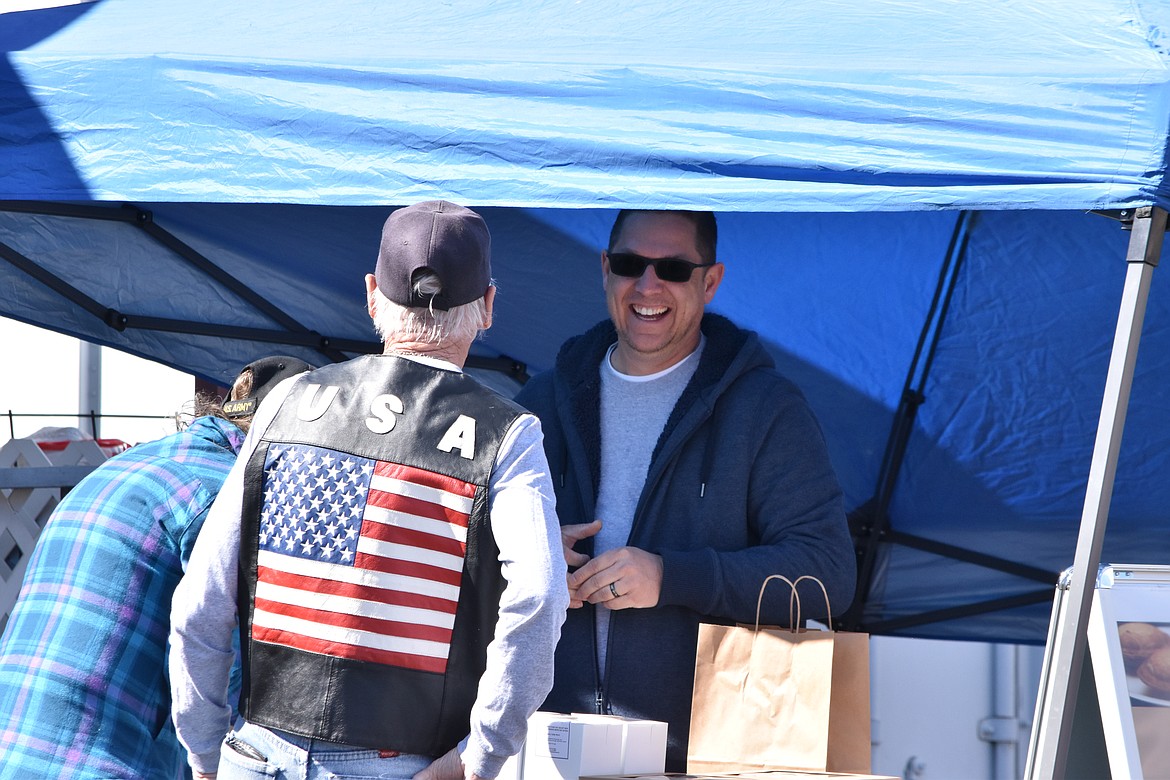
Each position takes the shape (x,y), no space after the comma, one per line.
(446,767)
(635,576)
(570,535)
(203,775)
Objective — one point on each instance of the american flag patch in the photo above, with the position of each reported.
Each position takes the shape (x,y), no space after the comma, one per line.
(359,558)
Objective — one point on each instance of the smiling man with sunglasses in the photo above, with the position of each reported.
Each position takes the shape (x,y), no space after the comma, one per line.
(657,314)
(686,469)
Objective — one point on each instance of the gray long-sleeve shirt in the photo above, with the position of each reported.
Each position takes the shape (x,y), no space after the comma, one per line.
(519,659)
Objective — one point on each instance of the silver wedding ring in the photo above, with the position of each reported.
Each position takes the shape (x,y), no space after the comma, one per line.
(613,589)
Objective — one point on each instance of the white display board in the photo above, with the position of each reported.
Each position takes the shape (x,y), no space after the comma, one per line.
(1129,647)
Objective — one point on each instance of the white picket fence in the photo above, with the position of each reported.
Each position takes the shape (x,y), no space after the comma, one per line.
(33,479)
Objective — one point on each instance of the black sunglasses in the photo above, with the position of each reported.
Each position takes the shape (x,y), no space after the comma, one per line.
(668,269)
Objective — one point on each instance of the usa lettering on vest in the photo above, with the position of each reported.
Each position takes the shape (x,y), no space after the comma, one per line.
(386,408)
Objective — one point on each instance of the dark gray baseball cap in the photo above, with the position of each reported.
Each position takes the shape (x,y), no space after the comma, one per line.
(450,240)
(267,373)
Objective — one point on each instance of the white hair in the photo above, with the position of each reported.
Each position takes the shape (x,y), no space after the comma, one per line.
(395,322)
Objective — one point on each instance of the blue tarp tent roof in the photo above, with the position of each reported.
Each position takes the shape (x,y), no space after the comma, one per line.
(905,191)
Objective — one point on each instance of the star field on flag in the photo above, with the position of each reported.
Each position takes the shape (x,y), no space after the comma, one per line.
(359,558)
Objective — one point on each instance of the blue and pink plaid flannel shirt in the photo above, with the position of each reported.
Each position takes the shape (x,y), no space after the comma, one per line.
(83,689)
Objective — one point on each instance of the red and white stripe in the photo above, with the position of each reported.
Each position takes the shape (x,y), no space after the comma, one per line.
(395,604)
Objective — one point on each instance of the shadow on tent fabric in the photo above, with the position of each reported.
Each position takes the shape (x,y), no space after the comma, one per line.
(35,160)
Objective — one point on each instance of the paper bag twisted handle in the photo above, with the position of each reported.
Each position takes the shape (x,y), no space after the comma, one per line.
(794,601)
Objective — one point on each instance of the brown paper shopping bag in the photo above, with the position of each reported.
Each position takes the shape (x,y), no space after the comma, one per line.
(779,698)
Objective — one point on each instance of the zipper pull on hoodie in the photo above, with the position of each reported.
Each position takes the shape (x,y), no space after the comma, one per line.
(708,460)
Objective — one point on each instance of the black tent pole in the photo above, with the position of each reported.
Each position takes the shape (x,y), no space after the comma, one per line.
(871,520)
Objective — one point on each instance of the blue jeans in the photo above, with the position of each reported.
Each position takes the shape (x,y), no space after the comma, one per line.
(283,756)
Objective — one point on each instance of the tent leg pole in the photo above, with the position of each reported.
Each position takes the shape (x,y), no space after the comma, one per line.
(1067,637)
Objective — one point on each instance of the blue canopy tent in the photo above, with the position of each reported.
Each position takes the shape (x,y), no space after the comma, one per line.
(923,208)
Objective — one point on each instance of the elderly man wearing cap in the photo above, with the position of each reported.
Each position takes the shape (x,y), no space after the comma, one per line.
(389,542)
(83,690)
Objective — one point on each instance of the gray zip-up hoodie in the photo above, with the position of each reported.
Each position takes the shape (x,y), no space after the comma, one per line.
(739,487)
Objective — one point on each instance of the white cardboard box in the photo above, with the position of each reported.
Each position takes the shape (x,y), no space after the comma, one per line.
(643,743)
(759,774)
(511,768)
(566,747)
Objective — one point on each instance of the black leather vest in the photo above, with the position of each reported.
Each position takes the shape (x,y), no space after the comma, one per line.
(370,579)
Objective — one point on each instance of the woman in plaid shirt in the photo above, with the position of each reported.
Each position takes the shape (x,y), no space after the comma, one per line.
(83,692)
